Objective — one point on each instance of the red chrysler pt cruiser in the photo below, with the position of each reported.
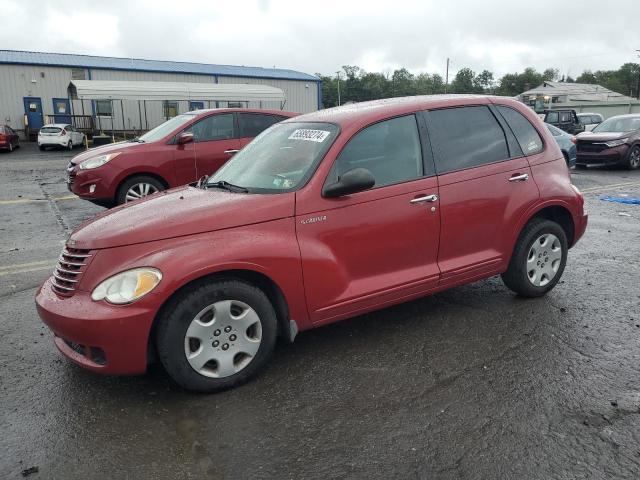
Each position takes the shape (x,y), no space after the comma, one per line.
(320,218)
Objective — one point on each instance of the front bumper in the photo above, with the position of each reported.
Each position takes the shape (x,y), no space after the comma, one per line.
(104,338)
(609,156)
(87,185)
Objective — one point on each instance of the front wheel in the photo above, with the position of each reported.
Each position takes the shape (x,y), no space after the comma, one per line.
(70,145)
(217,335)
(538,259)
(633,160)
(138,187)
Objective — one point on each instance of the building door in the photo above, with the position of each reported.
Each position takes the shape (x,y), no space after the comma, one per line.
(195,105)
(61,110)
(33,111)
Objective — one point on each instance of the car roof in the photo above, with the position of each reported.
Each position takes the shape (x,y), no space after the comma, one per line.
(589,113)
(626,115)
(203,111)
(59,125)
(365,112)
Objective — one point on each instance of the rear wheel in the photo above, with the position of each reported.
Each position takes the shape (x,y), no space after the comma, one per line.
(70,145)
(217,335)
(633,159)
(538,259)
(138,187)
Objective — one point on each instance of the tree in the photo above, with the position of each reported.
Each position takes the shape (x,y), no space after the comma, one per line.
(550,75)
(464,81)
(483,81)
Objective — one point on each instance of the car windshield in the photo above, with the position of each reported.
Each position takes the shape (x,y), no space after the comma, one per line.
(618,124)
(50,130)
(280,159)
(166,128)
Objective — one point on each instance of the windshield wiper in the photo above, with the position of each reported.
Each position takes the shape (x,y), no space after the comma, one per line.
(223,184)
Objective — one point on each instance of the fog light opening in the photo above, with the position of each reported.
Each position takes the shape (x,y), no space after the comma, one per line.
(92,188)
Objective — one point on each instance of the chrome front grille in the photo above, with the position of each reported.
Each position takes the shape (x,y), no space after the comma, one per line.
(67,273)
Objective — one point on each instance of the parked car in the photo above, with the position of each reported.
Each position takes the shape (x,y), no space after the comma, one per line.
(322,217)
(9,139)
(567,144)
(565,119)
(177,152)
(60,135)
(616,141)
(589,120)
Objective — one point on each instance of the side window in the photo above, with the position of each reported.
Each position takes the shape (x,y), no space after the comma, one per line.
(552,117)
(466,137)
(390,150)
(527,135)
(252,124)
(565,117)
(213,127)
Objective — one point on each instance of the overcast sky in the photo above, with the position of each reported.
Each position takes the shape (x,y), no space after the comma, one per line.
(322,36)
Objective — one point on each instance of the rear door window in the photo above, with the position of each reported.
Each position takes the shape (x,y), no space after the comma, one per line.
(252,124)
(390,150)
(525,133)
(466,137)
(565,117)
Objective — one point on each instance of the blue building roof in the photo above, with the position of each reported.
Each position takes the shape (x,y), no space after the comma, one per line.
(115,63)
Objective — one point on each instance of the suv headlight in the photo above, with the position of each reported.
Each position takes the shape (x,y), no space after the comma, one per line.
(98,161)
(615,143)
(128,286)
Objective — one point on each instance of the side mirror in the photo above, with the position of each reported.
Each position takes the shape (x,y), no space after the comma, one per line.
(353,181)
(184,138)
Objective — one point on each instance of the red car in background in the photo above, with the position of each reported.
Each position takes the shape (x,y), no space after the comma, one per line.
(9,139)
(323,217)
(177,152)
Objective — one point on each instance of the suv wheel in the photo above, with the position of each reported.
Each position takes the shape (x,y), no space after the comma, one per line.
(633,160)
(216,335)
(538,259)
(138,187)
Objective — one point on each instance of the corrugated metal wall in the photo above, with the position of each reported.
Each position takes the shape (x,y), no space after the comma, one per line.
(302,97)
(19,81)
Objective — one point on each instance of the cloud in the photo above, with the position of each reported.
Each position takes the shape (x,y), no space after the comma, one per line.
(321,37)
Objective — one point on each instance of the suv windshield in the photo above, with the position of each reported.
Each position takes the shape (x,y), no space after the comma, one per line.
(166,128)
(618,124)
(280,159)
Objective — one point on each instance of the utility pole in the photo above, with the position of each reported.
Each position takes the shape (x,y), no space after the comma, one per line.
(638,87)
(446,82)
(338,75)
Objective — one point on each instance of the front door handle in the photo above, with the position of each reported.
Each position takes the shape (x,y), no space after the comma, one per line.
(231,152)
(425,198)
(523,177)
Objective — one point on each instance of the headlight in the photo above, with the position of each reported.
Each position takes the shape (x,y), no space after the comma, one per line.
(127,287)
(98,161)
(615,143)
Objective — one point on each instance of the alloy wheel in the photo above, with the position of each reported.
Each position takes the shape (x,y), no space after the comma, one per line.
(223,339)
(543,260)
(139,190)
(634,157)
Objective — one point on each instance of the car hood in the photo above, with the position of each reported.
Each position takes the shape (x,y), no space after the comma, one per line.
(602,137)
(104,149)
(179,212)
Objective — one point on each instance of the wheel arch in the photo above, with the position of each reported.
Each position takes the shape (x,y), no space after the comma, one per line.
(556,212)
(270,288)
(142,173)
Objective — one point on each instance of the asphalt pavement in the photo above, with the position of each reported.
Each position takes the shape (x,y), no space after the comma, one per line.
(472,383)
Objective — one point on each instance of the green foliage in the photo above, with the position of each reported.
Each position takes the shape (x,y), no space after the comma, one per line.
(357,85)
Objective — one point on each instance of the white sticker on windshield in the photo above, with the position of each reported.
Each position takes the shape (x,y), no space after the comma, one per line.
(309,135)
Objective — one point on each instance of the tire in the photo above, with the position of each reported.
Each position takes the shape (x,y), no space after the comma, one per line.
(70,145)
(633,158)
(42,148)
(173,343)
(135,187)
(518,275)
(581,166)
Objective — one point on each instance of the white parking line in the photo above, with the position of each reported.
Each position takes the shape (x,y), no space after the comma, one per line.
(35,200)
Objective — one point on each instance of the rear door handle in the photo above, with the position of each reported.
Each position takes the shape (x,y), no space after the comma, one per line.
(231,152)
(425,198)
(523,177)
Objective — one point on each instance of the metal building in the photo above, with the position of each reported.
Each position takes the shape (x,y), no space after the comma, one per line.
(34,89)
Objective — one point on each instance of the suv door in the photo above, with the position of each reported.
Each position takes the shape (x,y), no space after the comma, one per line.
(378,246)
(215,140)
(485,186)
(252,124)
